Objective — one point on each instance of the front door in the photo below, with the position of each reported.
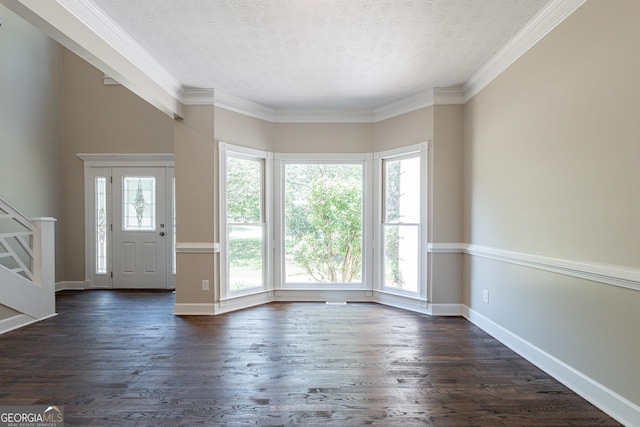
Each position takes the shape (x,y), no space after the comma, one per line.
(141,232)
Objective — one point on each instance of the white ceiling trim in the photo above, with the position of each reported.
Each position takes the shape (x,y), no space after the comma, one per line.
(448,96)
(540,25)
(95,19)
(405,105)
(197,96)
(244,106)
(65,24)
(324,116)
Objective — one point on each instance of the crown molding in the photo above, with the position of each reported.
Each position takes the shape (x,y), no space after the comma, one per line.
(428,98)
(197,96)
(110,81)
(149,72)
(94,18)
(404,105)
(324,116)
(448,96)
(244,106)
(539,26)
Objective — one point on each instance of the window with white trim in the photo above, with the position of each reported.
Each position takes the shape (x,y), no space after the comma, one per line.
(402,226)
(244,236)
(323,222)
(315,230)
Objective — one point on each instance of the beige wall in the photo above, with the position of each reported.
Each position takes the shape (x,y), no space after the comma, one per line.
(445,195)
(323,137)
(551,168)
(100,119)
(239,129)
(196,202)
(31,123)
(406,129)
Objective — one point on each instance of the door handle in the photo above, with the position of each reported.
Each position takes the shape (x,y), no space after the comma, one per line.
(162,233)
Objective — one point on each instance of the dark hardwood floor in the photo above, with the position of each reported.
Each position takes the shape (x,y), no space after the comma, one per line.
(120,358)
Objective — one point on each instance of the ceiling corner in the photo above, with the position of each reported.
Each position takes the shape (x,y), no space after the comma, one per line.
(539,26)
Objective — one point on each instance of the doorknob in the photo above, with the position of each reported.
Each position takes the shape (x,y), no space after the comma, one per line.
(162,233)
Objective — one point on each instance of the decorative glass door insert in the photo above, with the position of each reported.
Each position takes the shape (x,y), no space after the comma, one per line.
(139,203)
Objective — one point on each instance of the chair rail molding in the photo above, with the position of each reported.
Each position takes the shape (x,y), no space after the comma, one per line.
(626,277)
(197,247)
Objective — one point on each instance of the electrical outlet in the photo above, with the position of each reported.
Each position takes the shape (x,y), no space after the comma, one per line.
(205,285)
(485,296)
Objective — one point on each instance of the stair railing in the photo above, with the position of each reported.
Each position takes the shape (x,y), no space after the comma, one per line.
(27,249)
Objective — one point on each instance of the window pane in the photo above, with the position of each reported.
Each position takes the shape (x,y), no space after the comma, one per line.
(245,257)
(139,203)
(244,190)
(402,190)
(244,185)
(401,257)
(101,225)
(323,223)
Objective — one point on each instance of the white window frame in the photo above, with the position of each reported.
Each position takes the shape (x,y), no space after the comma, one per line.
(372,245)
(228,150)
(420,150)
(282,159)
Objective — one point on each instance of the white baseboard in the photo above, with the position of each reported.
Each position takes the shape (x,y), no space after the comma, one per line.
(194,309)
(19,321)
(623,410)
(446,309)
(242,302)
(71,286)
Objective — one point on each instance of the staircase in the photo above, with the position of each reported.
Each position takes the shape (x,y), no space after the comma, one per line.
(27,268)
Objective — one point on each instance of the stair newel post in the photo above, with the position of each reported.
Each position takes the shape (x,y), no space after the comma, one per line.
(44,267)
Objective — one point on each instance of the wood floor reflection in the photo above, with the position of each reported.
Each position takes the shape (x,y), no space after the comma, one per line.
(120,358)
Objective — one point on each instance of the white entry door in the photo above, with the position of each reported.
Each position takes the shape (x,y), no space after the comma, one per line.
(142,227)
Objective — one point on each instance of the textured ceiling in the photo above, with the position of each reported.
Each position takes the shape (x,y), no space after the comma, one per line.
(289,54)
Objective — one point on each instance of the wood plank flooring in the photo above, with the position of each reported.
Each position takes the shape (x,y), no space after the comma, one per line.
(120,358)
